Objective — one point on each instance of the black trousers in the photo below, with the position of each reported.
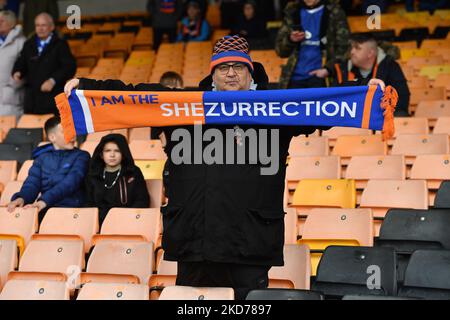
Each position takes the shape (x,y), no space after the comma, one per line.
(242,278)
(158,34)
(313,82)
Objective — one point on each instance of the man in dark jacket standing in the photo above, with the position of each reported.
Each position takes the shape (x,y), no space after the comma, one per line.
(311,30)
(224,222)
(368,60)
(45,64)
(57,174)
(165,15)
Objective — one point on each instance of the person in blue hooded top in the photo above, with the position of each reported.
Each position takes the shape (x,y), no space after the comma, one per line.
(56,178)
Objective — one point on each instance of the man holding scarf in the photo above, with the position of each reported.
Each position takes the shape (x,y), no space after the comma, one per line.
(224,223)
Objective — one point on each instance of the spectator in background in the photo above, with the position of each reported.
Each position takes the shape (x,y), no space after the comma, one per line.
(171,80)
(193,27)
(11,43)
(57,174)
(45,64)
(250,25)
(11,5)
(311,30)
(114,181)
(203,7)
(228,10)
(32,8)
(369,61)
(165,15)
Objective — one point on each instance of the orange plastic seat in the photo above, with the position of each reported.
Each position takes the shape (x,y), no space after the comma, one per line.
(7,122)
(147,150)
(297,266)
(432,167)
(113,291)
(8,172)
(122,257)
(34,290)
(309,146)
(52,256)
(433,110)
(97,136)
(33,120)
(290,226)
(381,195)
(23,172)
(140,134)
(412,145)
(132,221)
(8,259)
(349,146)
(426,94)
(364,168)
(22,223)
(82,222)
(195,293)
(9,190)
(155,190)
(414,125)
(336,132)
(442,126)
(300,168)
(89,146)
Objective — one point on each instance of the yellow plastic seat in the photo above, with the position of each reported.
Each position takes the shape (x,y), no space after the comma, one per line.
(151,169)
(338,193)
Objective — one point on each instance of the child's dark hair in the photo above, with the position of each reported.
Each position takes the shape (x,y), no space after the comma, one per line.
(51,124)
(171,78)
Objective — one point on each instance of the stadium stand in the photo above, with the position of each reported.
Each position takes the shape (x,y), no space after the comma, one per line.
(352,200)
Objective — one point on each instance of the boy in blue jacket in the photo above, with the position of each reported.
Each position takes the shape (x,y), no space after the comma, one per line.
(56,178)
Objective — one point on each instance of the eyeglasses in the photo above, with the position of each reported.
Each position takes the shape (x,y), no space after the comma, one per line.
(225,68)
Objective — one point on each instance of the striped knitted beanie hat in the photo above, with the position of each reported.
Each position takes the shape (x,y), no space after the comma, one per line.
(231,49)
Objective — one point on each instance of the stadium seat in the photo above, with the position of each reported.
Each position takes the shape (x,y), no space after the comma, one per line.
(28,121)
(365,168)
(290,226)
(19,225)
(433,71)
(82,222)
(54,256)
(158,282)
(166,267)
(195,293)
(339,193)
(113,291)
(24,136)
(15,152)
(442,126)
(10,189)
(140,134)
(309,146)
(97,136)
(297,266)
(8,172)
(326,227)
(349,146)
(89,146)
(434,168)
(442,199)
(23,172)
(347,270)
(418,81)
(151,169)
(433,110)
(8,259)
(336,132)
(443,80)
(283,294)
(427,275)
(35,290)
(147,150)
(300,168)
(404,194)
(412,145)
(131,221)
(122,257)
(407,230)
(155,190)
(414,125)
(6,123)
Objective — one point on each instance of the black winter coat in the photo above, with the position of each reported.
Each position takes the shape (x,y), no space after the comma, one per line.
(226,213)
(56,61)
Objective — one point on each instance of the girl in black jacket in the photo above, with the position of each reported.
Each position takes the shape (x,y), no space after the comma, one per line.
(113,179)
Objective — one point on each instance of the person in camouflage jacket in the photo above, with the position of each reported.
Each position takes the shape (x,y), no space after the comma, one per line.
(334,36)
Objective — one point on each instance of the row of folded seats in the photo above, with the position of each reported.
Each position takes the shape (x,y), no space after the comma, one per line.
(337,254)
